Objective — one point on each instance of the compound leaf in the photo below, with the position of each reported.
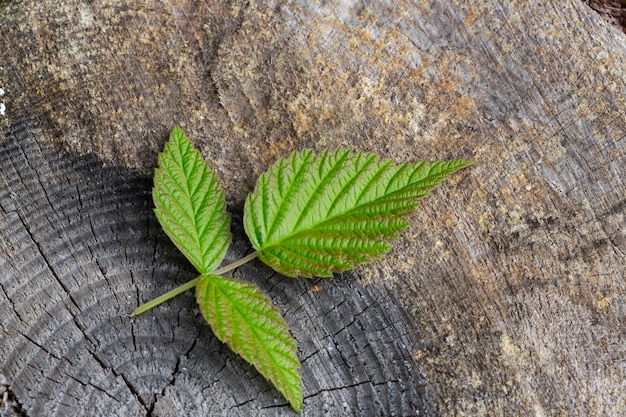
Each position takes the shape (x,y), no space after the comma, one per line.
(190,204)
(245,318)
(314,214)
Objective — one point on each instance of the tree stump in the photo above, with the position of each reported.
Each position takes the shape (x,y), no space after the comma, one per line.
(506,295)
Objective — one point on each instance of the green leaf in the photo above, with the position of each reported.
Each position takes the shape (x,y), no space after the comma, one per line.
(245,318)
(315,214)
(190,204)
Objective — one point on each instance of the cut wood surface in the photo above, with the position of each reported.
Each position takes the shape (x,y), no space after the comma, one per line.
(506,296)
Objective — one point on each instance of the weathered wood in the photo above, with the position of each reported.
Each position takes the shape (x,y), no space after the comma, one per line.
(613,11)
(506,296)
(82,260)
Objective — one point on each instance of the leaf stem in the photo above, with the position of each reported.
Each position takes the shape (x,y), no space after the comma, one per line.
(189,285)
(164,297)
(235,264)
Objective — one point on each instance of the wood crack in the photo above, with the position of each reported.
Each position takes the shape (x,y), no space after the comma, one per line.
(10,404)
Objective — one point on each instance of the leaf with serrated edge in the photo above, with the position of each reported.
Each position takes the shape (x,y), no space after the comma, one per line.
(315,214)
(190,204)
(245,318)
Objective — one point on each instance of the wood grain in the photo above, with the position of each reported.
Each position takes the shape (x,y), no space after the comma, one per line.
(505,297)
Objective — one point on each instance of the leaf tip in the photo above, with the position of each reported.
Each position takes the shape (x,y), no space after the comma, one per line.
(296,403)
(177,132)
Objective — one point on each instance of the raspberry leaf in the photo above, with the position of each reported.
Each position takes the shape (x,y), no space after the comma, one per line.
(314,214)
(247,320)
(190,204)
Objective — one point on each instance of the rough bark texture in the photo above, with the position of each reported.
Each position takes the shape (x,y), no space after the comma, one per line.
(505,297)
(613,11)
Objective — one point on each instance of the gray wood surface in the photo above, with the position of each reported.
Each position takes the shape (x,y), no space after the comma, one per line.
(506,296)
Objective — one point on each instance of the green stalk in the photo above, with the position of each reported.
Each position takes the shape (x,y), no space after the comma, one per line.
(189,285)
(235,264)
(164,297)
